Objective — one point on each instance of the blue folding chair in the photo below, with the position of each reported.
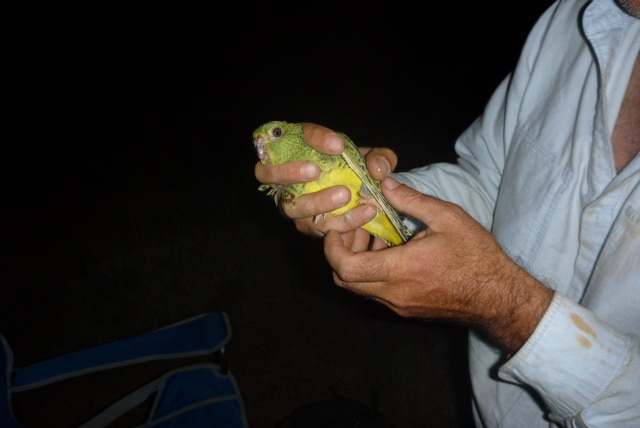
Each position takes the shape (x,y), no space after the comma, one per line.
(195,395)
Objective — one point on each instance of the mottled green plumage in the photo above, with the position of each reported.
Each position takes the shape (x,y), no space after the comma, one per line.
(279,142)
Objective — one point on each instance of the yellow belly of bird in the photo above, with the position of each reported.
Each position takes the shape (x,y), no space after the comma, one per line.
(380,226)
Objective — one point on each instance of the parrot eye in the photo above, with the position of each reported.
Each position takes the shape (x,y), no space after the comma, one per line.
(277,131)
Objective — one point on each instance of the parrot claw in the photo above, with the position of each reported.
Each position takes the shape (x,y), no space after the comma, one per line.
(319,218)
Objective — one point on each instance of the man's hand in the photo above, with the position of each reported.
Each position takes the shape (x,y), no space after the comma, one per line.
(454,270)
(380,162)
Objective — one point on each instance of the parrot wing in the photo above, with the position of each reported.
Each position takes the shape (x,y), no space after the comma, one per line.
(356,162)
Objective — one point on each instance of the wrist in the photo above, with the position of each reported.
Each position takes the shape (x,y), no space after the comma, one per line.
(520,302)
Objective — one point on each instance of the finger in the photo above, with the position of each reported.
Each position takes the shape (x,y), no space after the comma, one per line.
(316,203)
(425,208)
(352,220)
(378,244)
(357,271)
(323,139)
(361,240)
(336,249)
(381,162)
(287,173)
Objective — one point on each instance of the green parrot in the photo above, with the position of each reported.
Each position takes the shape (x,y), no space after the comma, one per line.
(279,142)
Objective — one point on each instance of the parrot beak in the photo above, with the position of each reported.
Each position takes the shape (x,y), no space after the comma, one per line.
(261,149)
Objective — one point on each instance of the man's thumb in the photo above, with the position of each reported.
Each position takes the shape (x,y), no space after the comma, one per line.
(409,201)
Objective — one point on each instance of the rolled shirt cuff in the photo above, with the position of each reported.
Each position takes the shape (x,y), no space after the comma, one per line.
(570,359)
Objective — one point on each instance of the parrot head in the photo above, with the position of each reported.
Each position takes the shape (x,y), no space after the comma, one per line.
(277,141)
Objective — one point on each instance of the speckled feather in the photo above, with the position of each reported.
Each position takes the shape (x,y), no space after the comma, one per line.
(278,142)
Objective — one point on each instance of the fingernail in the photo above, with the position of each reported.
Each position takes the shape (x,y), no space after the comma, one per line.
(383,166)
(335,145)
(340,196)
(309,170)
(369,212)
(390,183)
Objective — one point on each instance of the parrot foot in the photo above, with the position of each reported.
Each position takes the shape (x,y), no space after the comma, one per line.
(319,218)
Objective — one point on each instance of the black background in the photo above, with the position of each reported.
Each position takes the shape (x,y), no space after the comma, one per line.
(129,200)
(94,91)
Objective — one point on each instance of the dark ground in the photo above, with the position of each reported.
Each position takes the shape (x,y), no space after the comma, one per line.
(130,201)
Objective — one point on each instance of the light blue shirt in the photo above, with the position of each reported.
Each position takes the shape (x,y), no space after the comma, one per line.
(537,169)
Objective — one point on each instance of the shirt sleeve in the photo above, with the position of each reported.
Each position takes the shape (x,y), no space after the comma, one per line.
(586,371)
